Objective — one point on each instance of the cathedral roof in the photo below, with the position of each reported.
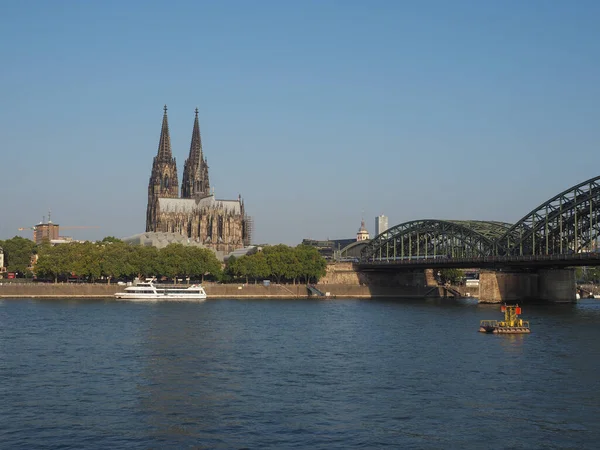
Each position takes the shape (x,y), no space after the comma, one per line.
(191,205)
(160,239)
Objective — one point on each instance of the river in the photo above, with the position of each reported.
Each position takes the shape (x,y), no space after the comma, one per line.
(315,374)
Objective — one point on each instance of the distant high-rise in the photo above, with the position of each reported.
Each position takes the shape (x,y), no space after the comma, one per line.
(381,224)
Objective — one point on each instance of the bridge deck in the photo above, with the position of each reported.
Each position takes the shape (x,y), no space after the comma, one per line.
(492,262)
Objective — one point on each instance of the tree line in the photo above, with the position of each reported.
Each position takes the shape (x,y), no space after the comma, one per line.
(112,259)
(283,263)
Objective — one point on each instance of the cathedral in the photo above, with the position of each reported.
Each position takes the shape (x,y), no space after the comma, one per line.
(221,225)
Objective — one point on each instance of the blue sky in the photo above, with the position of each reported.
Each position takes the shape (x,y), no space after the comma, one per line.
(316,112)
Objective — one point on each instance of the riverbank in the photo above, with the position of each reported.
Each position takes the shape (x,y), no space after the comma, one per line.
(215,291)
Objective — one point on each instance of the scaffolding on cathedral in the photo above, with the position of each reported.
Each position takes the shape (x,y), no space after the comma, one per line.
(249,232)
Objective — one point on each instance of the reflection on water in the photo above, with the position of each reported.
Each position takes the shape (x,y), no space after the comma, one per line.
(311,374)
(513,345)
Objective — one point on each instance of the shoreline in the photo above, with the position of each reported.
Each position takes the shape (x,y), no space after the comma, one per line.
(216,297)
(219,291)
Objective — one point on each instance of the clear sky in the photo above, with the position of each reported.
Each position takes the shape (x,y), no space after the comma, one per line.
(315,111)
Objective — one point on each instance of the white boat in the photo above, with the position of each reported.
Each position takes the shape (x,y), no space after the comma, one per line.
(149,291)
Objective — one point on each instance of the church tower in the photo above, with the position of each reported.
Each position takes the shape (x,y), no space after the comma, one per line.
(195,182)
(163,180)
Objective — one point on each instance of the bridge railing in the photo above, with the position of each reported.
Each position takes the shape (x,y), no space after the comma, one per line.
(591,256)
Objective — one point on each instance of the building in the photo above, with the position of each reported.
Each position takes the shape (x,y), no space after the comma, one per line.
(50,232)
(45,231)
(381,224)
(2,268)
(221,225)
(363,234)
(328,248)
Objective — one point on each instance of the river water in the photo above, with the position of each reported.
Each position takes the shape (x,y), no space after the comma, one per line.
(330,374)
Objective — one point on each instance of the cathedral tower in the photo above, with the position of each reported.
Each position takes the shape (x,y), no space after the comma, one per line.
(163,180)
(195,182)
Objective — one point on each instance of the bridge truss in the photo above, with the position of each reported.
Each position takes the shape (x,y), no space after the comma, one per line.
(566,224)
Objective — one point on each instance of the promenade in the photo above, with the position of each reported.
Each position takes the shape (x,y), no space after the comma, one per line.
(214,291)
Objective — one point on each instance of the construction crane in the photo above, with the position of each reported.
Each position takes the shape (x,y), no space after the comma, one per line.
(49,230)
(35,227)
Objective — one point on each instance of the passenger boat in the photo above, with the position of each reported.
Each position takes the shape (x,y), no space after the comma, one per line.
(149,291)
(511,324)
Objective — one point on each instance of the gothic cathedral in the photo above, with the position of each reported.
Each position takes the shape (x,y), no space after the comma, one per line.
(218,224)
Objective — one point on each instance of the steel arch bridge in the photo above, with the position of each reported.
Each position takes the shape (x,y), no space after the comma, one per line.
(567,224)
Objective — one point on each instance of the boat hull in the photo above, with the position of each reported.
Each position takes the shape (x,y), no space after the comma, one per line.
(159,297)
(150,292)
(511,330)
(505,330)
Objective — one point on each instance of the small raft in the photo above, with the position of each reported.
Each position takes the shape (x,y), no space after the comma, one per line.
(511,324)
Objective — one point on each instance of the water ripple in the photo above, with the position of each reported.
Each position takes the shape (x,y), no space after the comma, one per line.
(302,374)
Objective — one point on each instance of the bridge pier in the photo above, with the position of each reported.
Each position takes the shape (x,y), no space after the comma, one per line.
(500,287)
(551,285)
(412,278)
(557,285)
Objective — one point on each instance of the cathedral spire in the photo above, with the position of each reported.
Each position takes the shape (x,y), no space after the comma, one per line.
(196,144)
(195,170)
(164,145)
(163,178)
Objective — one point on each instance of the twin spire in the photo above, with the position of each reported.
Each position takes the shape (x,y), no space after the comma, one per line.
(164,144)
(195,173)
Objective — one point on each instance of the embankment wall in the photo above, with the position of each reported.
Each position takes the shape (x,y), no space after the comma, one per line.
(342,273)
(340,281)
(215,291)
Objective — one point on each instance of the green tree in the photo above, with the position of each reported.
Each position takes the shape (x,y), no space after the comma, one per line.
(282,262)
(86,259)
(197,262)
(243,267)
(231,267)
(54,262)
(116,259)
(257,266)
(311,264)
(172,260)
(145,261)
(451,276)
(111,239)
(17,254)
(210,264)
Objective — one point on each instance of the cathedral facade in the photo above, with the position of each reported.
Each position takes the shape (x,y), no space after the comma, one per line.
(221,225)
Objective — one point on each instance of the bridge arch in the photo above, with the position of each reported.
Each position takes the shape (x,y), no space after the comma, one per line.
(567,223)
(353,251)
(431,238)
